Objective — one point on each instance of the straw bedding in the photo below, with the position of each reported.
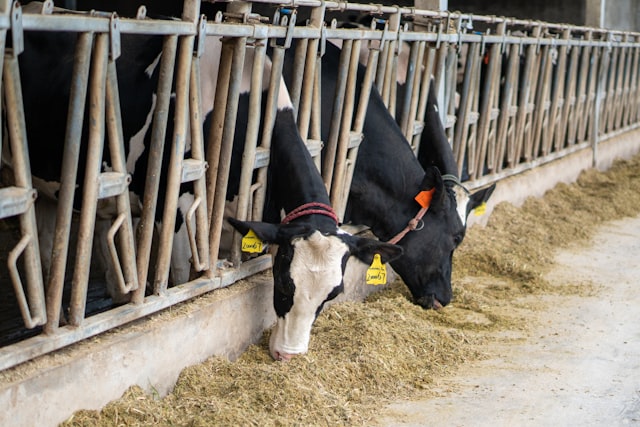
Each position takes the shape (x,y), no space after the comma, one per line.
(365,354)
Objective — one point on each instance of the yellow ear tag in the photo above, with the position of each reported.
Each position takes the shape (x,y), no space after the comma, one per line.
(481,209)
(377,272)
(251,243)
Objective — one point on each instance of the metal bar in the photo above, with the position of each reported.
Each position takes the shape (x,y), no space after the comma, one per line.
(581,93)
(69,169)
(338,201)
(409,95)
(569,99)
(260,187)
(199,238)
(214,146)
(176,160)
(335,124)
(35,313)
(485,123)
(527,91)
(586,126)
(299,61)
(86,228)
(542,105)
(425,86)
(237,47)
(146,225)
(129,278)
(508,95)
(557,96)
(256,57)
(468,94)
(309,79)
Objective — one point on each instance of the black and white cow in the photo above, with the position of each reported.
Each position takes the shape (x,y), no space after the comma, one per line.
(386,180)
(312,252)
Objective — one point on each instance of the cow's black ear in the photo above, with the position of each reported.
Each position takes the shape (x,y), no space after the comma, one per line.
(480,197)
(265,231)
(433,179)
(364,249)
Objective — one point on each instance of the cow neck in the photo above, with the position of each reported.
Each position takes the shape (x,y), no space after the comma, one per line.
(313,208)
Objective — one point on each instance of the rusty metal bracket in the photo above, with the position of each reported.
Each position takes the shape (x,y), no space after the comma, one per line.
(114,37)
(17,35)
(201,37)
(287,18)
(142,12)
(47,7)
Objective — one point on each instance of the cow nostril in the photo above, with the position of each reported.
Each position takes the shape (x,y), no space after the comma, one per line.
(429,301)
(282,357)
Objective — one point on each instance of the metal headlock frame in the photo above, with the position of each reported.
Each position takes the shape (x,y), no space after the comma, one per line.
(562,88)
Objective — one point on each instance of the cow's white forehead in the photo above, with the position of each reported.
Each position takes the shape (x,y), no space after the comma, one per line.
(316,269)
(462,198)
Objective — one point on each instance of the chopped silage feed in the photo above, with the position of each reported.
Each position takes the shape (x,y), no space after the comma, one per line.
(362,355)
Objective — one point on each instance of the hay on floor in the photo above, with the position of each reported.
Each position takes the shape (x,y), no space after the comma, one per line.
(363,355)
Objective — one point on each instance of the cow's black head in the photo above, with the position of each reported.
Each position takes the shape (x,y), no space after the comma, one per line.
(425,266)
(308,271)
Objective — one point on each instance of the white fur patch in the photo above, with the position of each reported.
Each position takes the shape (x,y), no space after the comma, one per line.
(181,252)
(462,200)
(136,143)
(316,269)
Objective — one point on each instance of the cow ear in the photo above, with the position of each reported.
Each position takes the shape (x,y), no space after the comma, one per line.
(271,233)
(364,249)
(265,231)
(433,179)
(480,197)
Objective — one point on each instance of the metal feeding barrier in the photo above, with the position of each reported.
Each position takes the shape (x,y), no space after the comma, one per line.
(514,94)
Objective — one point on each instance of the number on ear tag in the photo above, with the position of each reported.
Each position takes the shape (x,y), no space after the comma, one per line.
(481,209)
(251,243)
(377,272)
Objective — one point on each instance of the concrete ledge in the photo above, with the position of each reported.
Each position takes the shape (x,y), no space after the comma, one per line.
(151,352)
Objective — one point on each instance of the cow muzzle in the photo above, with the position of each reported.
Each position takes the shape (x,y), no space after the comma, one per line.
(281,356)
(429,302)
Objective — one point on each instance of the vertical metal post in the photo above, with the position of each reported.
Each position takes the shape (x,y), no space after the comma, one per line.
(338,186)
(331,144)
(128,279)
(71,154)
(146,225)
(527,88)
(176,161)
(35,313)
(425,87)
(93,164)
(257,57)
(235,51)
(308,83)
(557,98)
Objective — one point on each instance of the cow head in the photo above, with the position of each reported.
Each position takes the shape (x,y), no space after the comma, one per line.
(308,271)
(425,266)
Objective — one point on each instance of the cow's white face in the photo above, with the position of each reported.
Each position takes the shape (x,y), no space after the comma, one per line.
(462,199)
(316,271)
(308,271)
